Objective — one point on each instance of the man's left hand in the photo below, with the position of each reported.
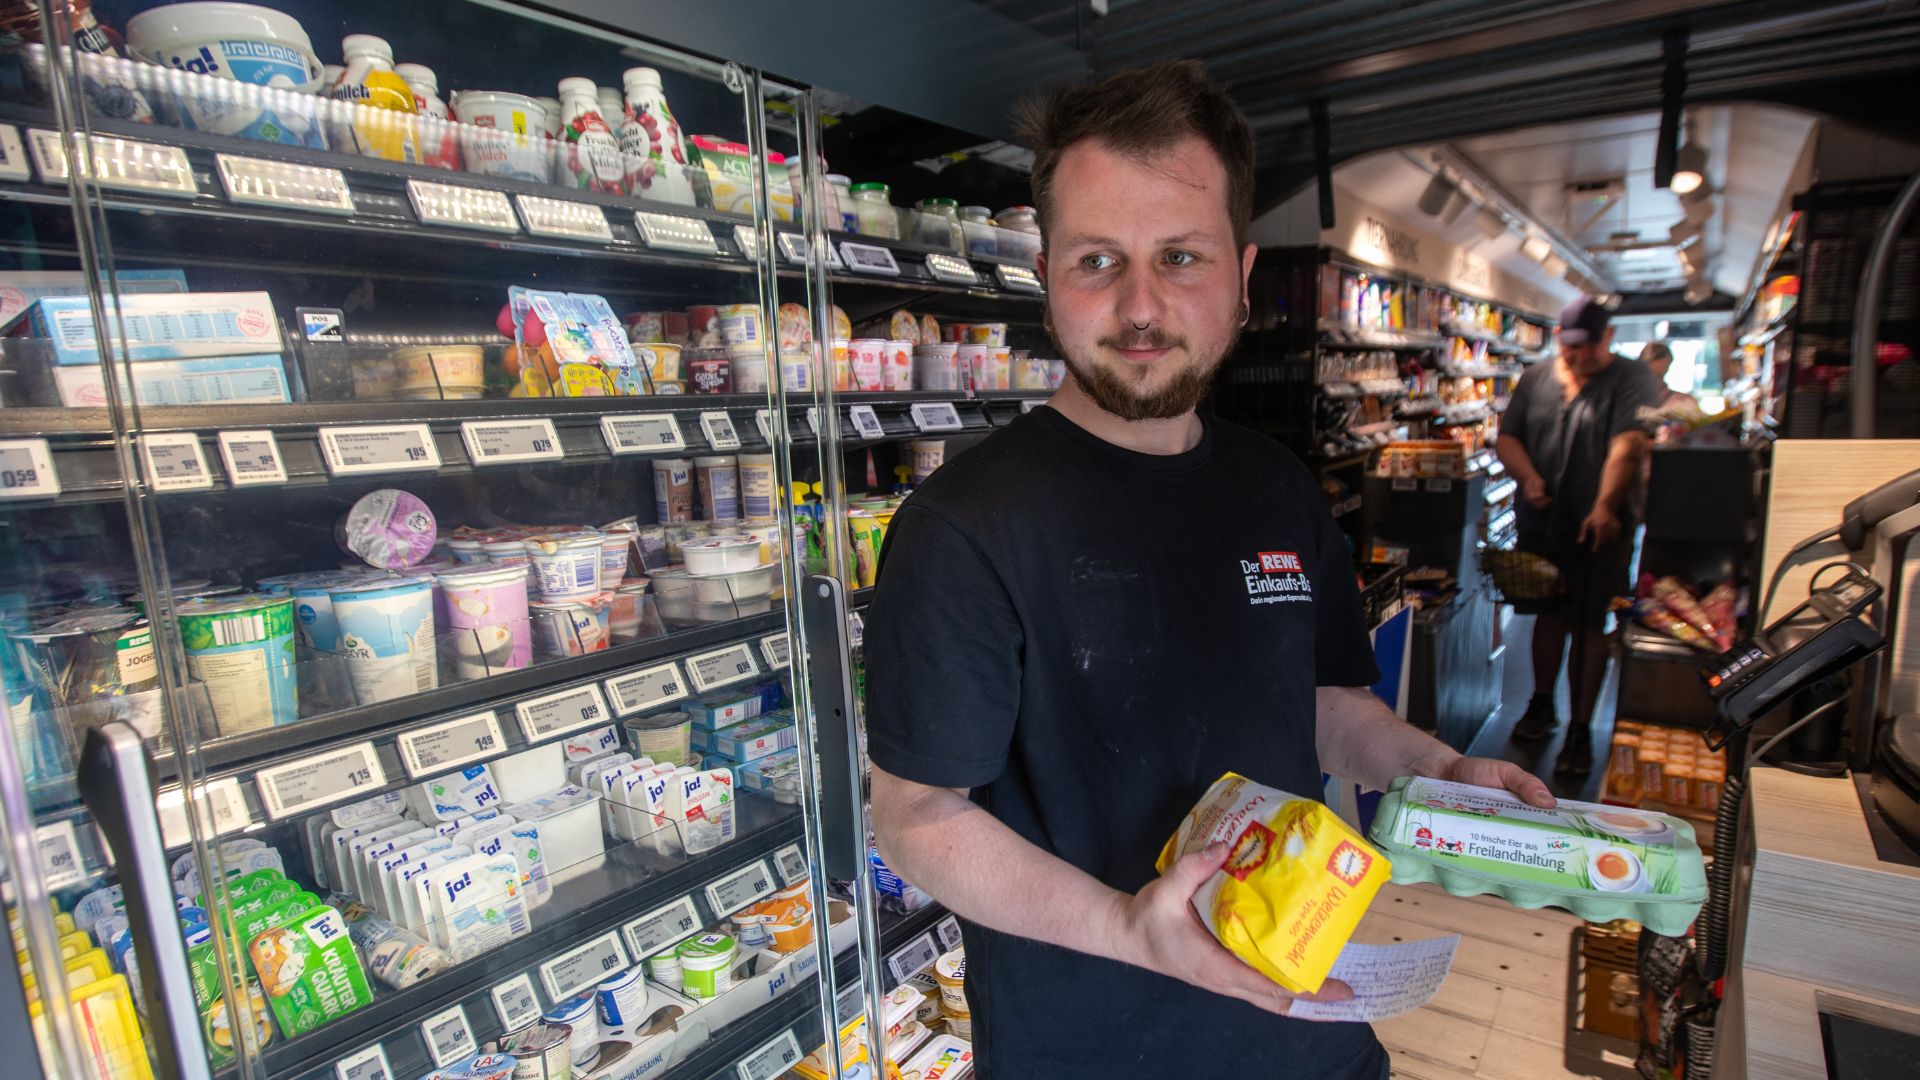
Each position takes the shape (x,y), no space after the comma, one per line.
(1493,773)
(1601,527)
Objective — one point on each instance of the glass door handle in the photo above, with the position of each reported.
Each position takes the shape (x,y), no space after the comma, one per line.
(823,612)
(116,782)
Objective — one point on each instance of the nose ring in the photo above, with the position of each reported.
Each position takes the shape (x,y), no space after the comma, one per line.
(1141,326)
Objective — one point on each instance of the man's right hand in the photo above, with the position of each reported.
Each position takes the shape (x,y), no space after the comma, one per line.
(1534,490)
(1158,929)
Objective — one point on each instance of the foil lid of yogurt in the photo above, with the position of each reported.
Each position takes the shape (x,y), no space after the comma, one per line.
(389,528)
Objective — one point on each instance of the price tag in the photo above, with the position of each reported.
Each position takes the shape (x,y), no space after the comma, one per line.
(846,1004)
(282,183)
(719,429)
(1029,405)
(722,667)
(671,232)
(514,1003)
(1405,483)
(450,744)
(252,457)
(794,247)
(639,691)
(915,955)
(661,927)
(352,451)
(740,888)
(223,809)
(13,156)
(856,630)
(368,1064)
(563,219)
(952,269)
(561,711)
(935,416)
(771,1060)
(656,433)
(865,423)
(61,863)
(868,259)
(948,931)
(117,163)
(583,966)
(792,863)
(174,462)
(26,470)
(448,1036)
(763,419)
(1018,279)
(320,780)
(1440,485)
(778,650)
(462,207)
(813,419)
(503,442)
(747,240)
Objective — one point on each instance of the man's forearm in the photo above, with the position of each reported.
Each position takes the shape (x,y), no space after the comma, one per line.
(1625,454)
(988,874)
(1360,739)
(1513,454)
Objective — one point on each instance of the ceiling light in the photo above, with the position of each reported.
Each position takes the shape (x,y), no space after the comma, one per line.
(1434,199)
(1554,266)
(1536,248)
(1689,168)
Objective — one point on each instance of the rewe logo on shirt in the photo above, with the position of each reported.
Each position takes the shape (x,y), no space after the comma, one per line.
(1276,577)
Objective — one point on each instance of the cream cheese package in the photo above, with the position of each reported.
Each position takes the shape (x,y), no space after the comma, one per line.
(309,971)
(1599,862)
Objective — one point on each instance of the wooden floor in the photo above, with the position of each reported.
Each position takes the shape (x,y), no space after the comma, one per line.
(1504,1012)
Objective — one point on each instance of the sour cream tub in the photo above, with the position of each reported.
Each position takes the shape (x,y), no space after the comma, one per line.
(240,648)
(567,628)
(502,134)
(252,70)
(440,372)
(721,555)
(387,634)
(581,1016)
(566,566)
(628,617)
(486,613)
(614,548)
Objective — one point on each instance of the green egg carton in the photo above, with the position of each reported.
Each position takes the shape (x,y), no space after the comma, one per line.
(1599,862)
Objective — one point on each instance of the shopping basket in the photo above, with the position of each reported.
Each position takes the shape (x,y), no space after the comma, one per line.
(1522,577)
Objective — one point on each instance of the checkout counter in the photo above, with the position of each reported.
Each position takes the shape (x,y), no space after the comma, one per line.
(1822,905)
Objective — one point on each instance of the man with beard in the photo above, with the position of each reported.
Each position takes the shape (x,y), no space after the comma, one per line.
(1085,620)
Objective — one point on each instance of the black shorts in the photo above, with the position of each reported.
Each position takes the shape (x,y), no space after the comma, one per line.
(1594,578)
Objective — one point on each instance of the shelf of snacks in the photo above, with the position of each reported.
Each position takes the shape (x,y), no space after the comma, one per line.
(1667,769)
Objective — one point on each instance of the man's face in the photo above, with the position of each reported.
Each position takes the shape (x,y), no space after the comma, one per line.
(1145,287)
(1589,357)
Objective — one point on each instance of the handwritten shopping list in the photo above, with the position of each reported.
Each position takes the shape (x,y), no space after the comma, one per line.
(1387,980)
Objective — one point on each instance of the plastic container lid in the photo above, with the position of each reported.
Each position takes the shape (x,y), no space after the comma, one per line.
(576,85)
(660,721)
(939,201)
(706,952)
(979,215)
(418,73)
(366,45)
(871,185)
(639,76)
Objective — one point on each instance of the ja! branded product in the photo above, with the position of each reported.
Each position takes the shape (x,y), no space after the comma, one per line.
(1295,884)
(309,971)
(1599,862)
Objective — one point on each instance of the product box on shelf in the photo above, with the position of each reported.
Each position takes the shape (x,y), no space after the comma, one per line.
(750,741)
(725,708)
(160,326)
(20,288)
(215,380)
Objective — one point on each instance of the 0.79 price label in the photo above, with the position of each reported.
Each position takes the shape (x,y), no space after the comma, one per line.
(507,442)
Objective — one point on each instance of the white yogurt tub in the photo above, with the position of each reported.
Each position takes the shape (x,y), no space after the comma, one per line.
(721,555)
(706,965)
(734,587)
(502,134)
(582,1015)
(257,71)
(566,566)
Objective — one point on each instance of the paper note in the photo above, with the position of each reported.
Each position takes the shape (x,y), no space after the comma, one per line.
(1387,980)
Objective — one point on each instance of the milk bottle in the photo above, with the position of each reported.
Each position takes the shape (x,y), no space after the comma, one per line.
(387,131)
(650,142)
(589,155)
(439,140)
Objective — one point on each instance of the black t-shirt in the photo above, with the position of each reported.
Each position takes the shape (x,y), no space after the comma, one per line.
(1568,440)
(1087,637)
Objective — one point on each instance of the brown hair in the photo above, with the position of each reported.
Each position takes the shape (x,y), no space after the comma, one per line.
(1142,111)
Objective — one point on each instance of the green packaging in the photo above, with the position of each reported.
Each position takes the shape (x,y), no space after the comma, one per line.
(309,971)
(1599,862)
(216,1018)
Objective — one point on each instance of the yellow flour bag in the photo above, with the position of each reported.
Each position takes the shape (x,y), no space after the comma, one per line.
(1294,885)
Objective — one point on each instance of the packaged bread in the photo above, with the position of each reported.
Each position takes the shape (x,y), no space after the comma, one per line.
(1599,862)
(1296,881)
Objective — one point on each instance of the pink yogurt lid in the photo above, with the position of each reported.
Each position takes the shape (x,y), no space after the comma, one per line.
(389,528)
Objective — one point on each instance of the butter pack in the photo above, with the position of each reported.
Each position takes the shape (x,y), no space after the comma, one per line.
(1295,885)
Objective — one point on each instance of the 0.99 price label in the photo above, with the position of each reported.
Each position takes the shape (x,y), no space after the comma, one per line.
(578,968)
(508,442)
(320,780)
(639,691)
(722,667)
(562,711)
(61,863)
(771,1060)
(450,744)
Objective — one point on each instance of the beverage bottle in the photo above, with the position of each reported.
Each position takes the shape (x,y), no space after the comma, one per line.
(589,155)
(650,142)
(438,139)
(387,131)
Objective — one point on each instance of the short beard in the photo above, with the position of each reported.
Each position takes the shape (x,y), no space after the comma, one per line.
(1178,397)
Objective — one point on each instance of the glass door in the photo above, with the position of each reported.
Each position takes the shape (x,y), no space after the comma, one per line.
(457,439)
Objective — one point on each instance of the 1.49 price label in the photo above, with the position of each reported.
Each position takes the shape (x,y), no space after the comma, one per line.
(447,745)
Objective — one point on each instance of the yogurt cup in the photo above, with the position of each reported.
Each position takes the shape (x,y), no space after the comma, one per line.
(664,968)
(749,364)
(470,552)
(936,367)
(663,736)
(756,488)
(971,361)
(240,648)
(248,71)
(1000,366)
(721,555)
(796,369)
(842,369)
(717,479)
(614,548)
(541,1051)
(502,134)
(623,1000)
(486,616)
(867,358)
(793,934)
(582,1016)
(630,617)
(750,930)
(660,360)
(740,324)
(387,635)
(896,367)
(569,627)
(566,566)
(390,529)
(440,372)
(992,333)
(706,965)
(506,552)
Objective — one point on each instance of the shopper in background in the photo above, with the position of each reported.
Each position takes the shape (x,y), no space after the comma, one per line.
(1572,437)
(1084,621)
(1658,358)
